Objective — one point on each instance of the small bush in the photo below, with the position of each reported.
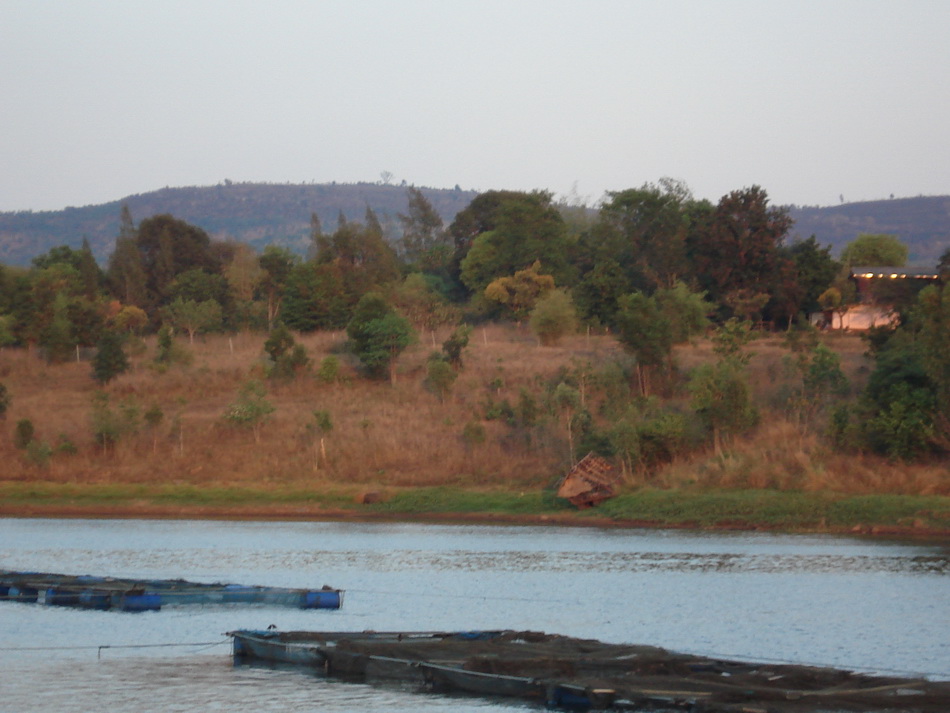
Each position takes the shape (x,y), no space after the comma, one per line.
(251,409)
(473,434)
(456,344)
(39,453)
(329,370)
(440,376)
(5,400)
(23,435)
(65,445)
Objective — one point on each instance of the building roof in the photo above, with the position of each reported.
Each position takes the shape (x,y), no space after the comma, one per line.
(878,271)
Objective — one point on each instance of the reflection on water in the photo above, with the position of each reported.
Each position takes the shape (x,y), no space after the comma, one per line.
(467,560)
(868,605)
(203,684)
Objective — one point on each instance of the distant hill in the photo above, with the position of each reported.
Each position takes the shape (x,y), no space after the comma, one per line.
(923,224)
(255,213)
(264,213)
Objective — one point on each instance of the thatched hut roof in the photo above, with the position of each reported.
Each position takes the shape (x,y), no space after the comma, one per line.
(589,482)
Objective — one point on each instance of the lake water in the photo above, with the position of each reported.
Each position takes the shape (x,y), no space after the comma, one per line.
(868,605)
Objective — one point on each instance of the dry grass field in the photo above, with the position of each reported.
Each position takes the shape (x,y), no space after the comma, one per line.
(402,435)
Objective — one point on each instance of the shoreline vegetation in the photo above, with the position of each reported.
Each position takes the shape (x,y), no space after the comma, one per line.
(348,448)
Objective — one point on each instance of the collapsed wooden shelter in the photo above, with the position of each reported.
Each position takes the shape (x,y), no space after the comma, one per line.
(589,482)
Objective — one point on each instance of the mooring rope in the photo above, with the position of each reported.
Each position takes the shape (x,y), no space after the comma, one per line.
(493,597)
(99,648)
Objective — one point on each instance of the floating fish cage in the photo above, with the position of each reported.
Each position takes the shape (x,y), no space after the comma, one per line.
(564,672)
(136,595)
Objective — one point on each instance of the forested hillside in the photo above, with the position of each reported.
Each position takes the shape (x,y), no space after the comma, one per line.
(262,214)
(255,213)
(922,224)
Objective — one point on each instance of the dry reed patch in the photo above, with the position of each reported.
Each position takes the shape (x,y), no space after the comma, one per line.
(782,455)
(863,474)
(777,455)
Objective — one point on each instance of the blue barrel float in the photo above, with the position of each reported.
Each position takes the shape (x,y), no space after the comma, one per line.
(322,599)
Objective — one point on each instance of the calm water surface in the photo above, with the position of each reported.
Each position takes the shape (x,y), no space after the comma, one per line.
(860,604)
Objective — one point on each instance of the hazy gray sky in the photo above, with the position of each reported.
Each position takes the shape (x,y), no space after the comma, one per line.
(811,100)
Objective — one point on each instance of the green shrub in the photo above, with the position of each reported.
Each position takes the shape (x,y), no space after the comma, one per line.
(65,445)
(5,400)
(455,345)
(473,434)
(38,453)
(440,376)
(553,317)
(329,370)
(23,435)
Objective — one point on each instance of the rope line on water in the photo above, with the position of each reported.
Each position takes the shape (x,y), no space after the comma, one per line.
(204,644)
(222,642)
(493,597)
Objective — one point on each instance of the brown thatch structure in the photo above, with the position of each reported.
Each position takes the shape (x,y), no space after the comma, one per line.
(589,482)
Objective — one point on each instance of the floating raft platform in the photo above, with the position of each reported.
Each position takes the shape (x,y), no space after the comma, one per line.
(565,672)
(134,595)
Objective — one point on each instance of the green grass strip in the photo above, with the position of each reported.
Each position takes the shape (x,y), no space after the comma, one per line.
(782,510)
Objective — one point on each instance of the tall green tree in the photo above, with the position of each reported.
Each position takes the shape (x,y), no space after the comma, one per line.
(646,332)
(194,317)
(525,227)
(168,247)
(686,311)
(423,232)
(736,246)
(365,261)
(125,273)
(599,290)
(315,298)
(816,270)
(379,335)
(276,265)
(56,336)
(931,319)
(722,398)
(479,216)
(316,233)
(90,274)
(110,360)
(649,226)
(90,277)
(243,274)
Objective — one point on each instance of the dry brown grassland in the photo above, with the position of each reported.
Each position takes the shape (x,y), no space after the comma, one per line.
(402,434)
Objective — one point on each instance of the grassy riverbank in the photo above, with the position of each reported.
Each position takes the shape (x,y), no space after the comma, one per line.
(490,449)
(732,509)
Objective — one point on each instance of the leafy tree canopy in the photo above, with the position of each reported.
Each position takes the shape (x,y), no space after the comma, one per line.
(737,244)
(526,227)
(877,250)
(168,247)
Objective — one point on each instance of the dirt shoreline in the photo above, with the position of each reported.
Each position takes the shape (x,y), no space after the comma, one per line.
(147,511)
